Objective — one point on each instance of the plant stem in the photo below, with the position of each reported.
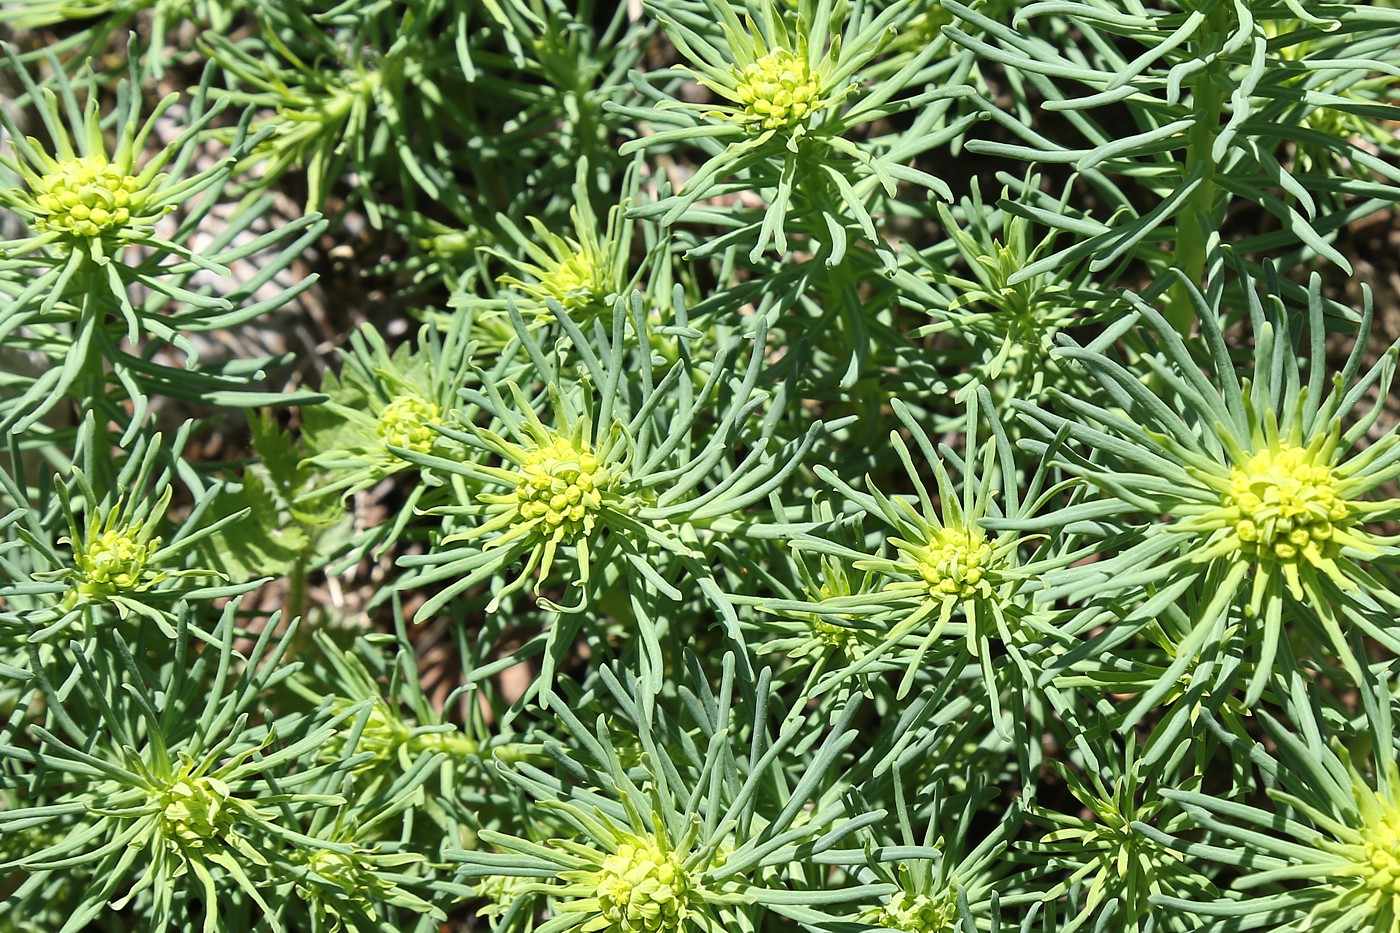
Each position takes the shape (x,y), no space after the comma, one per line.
(1192,232)
(91,386)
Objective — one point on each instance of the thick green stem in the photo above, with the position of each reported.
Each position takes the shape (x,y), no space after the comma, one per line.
(89,392)
(1203,212)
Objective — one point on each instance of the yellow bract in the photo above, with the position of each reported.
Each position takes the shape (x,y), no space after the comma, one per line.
(87,197)
(115,560)
(405,422)
(953,562)
(1287,505)
(559,485)
(574,281)
(641,889)
(777,90)
(1380,849)
(915,913)
(194,810)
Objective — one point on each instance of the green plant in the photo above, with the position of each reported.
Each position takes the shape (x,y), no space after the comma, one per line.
(94,246)
(606,467)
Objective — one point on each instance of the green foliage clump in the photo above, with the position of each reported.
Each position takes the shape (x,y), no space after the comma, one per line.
(607,468)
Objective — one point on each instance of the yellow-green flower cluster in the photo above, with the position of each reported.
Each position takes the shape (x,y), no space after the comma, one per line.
(811,635)
(833,635)
(360,880)
(574,279)
(953,562)
(777,90)
(87,197)
(383,734)
(640,888)
(559,487)
(113,562)
(1287,504)
(407,422)
(344,869)
(500,892)
(352,873)
(1284,507)
(389,737)
(579,269)
(915,913)
(449,743)
(1381,848)
(835,584)
(195,810)
(1370,852)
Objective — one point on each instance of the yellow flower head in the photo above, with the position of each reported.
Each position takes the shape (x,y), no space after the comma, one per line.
(1369,850)
(778,90)
(641,889)
(915,913)
(406,422)
(953,562)
(87,197)
(194,810)
(1380,850)
(560,486)
(1285,506)
(575,281)
(114,561)
(579,271)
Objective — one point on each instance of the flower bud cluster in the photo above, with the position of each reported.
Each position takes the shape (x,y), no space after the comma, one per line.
(574,281)
(195,810)
(500,892)
(406,422)
(953,563)
(642,889)
(115,561)
(778,90)
(1379,865)
(87,197)
(915,913)
(1286,503)
(559,484)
